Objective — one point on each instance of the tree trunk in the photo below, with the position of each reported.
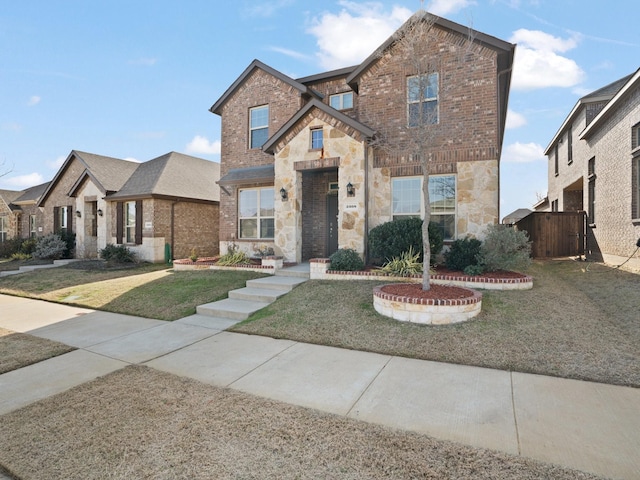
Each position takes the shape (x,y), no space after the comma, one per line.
(426,245)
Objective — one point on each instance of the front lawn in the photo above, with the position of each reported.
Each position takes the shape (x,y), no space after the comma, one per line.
(579,321)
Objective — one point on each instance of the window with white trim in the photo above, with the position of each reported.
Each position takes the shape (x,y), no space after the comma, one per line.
(130,222)
(635,180)
(258,126)
(62,218)
(32,226)
(407,201)
(256,213)
(4,225)
(422,100)
(341,101)
(317,140)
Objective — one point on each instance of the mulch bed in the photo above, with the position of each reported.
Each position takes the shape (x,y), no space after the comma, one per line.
(414,290)
(441,270)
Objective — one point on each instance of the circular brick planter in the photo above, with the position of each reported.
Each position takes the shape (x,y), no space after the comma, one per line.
(432,311)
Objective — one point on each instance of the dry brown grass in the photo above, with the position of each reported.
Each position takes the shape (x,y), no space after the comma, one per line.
(139,423)
(18,350)
(580,321)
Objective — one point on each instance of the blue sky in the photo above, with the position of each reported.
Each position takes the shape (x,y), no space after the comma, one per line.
(135,79)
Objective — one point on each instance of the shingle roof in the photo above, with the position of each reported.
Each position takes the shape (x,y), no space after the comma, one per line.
(248,175)
(608,91)
(32,194)
(9,196)
(173,175)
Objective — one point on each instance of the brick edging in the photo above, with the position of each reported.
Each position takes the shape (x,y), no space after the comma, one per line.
(474,297)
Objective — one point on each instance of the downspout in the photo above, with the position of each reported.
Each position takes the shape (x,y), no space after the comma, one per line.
(502,127)
(173,213)
(366,201)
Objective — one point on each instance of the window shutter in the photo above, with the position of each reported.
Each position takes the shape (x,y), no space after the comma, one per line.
(56,219)
(138,222)
(70,219)
(119,222)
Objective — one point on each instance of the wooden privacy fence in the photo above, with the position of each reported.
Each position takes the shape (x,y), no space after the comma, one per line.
(555,234)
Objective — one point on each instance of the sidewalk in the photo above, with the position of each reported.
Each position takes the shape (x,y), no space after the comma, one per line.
(587,426)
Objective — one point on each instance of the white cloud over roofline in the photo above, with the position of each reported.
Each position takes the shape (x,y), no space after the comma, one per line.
(201,145)
(523,153)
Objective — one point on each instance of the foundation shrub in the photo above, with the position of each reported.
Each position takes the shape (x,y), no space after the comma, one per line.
(10,247)
(234,256)
(405,265)
(505,248)
(117,253)
(392,239)
(50,247)
(463,253)
(346,260)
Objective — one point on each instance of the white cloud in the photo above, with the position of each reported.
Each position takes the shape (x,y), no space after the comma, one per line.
(537,63)
(288,53)
(445,7)
(350,36)
(202,145)
(57,163)
(34,100)
(21,182)
(523,153)
(515,119)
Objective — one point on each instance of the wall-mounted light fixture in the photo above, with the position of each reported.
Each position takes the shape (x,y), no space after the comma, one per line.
(351,190)
(283,194)
(78,213)
(100,213)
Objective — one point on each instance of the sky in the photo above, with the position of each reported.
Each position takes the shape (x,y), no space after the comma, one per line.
(135,79)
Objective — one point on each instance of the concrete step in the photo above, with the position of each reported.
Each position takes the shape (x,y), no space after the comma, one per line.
(6,273)
(280,283)
(230,308)
(293,272)
(207,321)
(256,294)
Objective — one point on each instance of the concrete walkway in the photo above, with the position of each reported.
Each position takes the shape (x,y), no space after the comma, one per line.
(587,426)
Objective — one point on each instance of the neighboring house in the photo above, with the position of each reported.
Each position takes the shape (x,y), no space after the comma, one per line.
(594,163)
(79,200)
(516,215)
(9,214)
(31,217)
(301,169)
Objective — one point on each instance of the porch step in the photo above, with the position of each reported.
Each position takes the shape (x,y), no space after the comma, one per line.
(276,282)
(267,295)
(231,308)
(300,271)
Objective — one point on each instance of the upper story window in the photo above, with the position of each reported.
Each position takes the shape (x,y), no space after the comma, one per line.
(422,100)
(258,126)
(317,141)
(3,229)
(556,164)
(341,101)
(570,145)
(407,201)
(256,212)
(635,136)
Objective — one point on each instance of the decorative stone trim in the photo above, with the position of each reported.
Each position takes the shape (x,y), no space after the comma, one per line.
(319,270)
(427,311)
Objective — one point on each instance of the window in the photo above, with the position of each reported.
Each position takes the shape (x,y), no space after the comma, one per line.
(591,166)
(258,126)
(316,139)
(407,201)
(569,145)
(130,222)
(635,136)
(32,226)
(555,156)
(422,100)
(341,101)
(554,205)
(256,212)
(635,196)
(3,229)
(63,218)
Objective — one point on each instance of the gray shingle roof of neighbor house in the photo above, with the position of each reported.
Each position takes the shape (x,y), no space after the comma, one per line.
(516,215)
(173,175)
(314,103)
(31,195)
(108,173)
(602,94)
(9,196)
(248,175)
(257,64)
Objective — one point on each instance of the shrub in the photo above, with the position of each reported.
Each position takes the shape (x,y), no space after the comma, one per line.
(194,255)
(28,246)
(463,253)
(69,238)
(474,270)
(234,256)
(346,260)
(117,253)
(9,247)
(50,247)
(505,248)
(393,238)
(405,265)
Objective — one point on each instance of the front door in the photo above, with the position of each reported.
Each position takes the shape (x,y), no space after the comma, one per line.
(332,224)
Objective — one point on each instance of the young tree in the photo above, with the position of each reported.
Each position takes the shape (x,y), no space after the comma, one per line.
(430,56)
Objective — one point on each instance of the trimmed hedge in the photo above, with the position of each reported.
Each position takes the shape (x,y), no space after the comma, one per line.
(394,238)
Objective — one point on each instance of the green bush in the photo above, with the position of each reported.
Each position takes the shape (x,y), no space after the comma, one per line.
(117,253)
(234,256)
(69,238)
(474,270)
(50,247)
(28,246)
(505,248)
(405,265)
(463,253)
(392,239)
(346,260)
(9,247)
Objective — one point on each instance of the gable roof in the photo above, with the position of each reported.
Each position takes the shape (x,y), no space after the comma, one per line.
(108,173)
(32,194)
(628,84)
(173,175)
(257,64)
(602,94)
(324,76)
(315,103)
(8,197)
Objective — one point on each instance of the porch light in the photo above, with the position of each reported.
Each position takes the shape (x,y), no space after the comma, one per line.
(283,194)
(99,212)
(351,191)
(78,213)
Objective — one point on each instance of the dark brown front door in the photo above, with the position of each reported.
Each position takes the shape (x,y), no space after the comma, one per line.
(332,224)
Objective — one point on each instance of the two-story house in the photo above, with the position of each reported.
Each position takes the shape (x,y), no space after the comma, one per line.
(303,169)
(593,166)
